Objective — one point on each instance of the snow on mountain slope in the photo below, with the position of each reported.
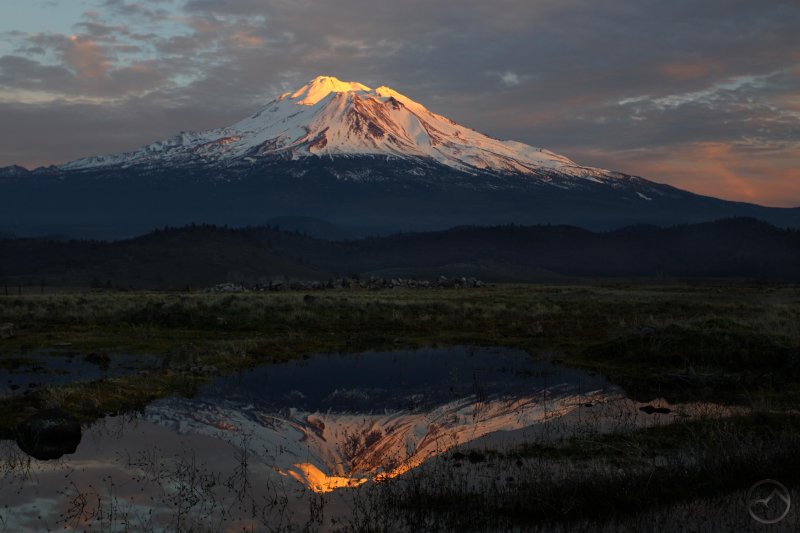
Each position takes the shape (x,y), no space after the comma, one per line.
(329,118)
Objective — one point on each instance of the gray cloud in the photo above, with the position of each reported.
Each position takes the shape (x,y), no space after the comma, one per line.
(151,10)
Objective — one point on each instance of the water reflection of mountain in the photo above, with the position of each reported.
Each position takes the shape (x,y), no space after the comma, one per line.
(339,420)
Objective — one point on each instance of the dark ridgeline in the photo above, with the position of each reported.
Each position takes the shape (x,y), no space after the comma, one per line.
(203,255)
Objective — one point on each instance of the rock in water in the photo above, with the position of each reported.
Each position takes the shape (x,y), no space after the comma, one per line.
(650,409)
(49,434)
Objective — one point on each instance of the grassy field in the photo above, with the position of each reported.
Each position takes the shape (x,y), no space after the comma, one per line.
(691,475)
(730,343)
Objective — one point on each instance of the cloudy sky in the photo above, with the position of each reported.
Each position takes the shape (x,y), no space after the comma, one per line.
(704,95)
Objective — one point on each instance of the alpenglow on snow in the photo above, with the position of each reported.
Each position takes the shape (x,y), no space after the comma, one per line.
(331,118)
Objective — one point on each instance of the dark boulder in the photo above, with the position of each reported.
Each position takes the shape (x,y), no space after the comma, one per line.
(650,409)
(49,434)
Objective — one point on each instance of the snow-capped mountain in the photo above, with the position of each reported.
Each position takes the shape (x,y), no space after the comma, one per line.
(330,118)
(371,160)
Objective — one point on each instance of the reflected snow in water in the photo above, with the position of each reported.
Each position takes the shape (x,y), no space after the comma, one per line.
(238,453)
(338,420)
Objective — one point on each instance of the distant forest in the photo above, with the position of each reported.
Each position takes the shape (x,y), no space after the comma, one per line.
(198,256)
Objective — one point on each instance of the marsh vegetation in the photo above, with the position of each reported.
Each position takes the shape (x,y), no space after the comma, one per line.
(733,348)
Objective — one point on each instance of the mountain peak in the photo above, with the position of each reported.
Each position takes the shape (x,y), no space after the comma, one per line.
(328,117)
(320,87)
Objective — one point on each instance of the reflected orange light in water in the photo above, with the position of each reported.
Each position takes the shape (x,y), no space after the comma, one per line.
(318,481)
(404,441)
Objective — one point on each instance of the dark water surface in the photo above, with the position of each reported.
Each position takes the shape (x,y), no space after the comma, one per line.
(21,373)
(387,381)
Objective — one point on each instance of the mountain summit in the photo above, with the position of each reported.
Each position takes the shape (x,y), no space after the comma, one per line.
(328,117)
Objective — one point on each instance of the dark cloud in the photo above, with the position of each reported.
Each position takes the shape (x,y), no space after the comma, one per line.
(87,75)
(54,133)
(22,73)
(609,83)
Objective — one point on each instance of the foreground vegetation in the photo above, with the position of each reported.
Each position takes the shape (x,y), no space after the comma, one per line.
(595,481)
(736,344)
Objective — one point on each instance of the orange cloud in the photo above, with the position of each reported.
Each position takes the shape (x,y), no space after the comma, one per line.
(789,102)
(723,170)
(202,25)
(86,57)
(689,70)
(245,40)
